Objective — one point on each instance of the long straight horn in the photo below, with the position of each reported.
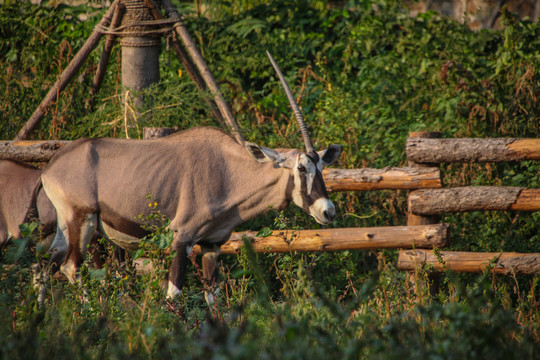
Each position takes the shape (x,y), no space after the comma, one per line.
(294,106)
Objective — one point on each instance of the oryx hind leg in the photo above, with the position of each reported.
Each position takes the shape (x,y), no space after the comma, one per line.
(81,228)
(77,221)
(57,253)
(59,247)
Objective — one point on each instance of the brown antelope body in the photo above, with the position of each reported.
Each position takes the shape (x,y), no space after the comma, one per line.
(202,179)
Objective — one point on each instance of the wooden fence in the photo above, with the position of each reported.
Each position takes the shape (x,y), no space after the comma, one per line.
(427,200)
(423,148)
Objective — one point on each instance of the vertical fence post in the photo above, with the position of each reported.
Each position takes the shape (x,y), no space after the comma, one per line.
(140,51)
(420,284)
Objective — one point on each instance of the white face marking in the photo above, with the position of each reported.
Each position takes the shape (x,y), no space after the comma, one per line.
(319,208)
(173,291)
(303,161)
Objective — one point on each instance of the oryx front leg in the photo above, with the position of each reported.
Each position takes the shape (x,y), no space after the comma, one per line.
(177,270)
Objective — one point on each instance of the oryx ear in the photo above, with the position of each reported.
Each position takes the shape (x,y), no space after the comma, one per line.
(330,155)
(263,154)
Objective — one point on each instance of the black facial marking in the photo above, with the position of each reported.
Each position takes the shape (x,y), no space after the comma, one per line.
(313,156)
(318,189)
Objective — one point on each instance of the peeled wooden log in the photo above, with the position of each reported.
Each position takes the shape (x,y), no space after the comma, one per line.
(390,237)
(473,198)
(422,150)
(459,261)
(30,151)
(381,179)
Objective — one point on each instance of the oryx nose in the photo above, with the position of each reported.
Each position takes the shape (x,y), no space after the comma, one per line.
(328,216)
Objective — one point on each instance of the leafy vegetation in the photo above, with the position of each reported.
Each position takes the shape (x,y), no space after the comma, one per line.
(365,75)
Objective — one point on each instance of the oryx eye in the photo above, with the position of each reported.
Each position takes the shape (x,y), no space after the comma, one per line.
(301,168)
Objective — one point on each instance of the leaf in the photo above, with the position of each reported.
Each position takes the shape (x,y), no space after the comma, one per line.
(239,273)
(244,27)
(164,241)
(27,229)
(138,254)
(264,232)
(97,274)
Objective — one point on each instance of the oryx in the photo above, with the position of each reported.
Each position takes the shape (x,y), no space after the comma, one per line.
(202,179)
(22,199)
(21,195)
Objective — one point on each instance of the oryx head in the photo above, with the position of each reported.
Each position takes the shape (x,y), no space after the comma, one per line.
(309,191)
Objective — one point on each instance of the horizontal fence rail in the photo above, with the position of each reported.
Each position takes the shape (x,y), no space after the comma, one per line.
(468,150)
(386,237)
(473,198)
(460,261)
(335,179)
(407,178)
(30,151)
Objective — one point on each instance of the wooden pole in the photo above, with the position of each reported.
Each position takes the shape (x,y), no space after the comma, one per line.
(105,55)
(204,70)
(389,237)
(30,151)
(414,219)
(408,178)
(498,262)
(431,150)
(188,65)
(140,53)
(473,198)
(68,74)
(285,241)
(420,285)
